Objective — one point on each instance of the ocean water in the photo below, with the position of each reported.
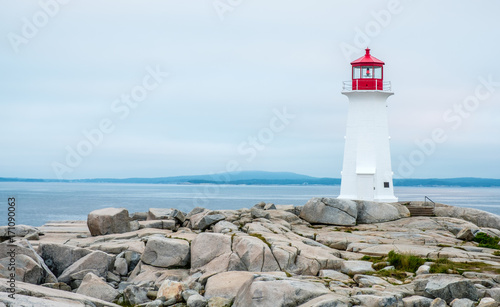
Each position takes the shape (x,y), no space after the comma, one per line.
(38,203)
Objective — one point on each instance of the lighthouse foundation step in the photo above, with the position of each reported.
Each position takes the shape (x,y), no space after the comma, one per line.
(421,211)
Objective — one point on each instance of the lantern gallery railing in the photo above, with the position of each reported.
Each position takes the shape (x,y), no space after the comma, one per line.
(348,86)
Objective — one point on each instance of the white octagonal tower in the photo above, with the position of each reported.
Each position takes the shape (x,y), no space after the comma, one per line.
(367,172)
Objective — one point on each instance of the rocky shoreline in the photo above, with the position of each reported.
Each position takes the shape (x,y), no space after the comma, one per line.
(329,252)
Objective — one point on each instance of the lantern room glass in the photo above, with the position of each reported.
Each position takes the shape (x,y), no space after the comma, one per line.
(367,72)
(356,72)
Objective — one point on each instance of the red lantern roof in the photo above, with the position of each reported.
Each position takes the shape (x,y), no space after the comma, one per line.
(367,59)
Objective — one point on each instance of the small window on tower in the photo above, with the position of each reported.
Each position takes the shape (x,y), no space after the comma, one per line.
(386,184)
(357,73)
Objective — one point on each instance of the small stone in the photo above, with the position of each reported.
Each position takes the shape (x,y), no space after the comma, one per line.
(380,265)
(352,267)
(488,302)
(438,303)
(139,216)
(259,213)
(159,213)
(197,300)
(134,225)
(178,215)
(112,277)
(32,236)
(209,220)
(335,275)
(187,293)
(462,302)
(152,294)
(417,301)
(92,285)
(269,207)
(224,227)
(423,269)
(465,234)
(155,303)
(58,286)
(260,205)
(451,287)
(121,267)
(136,295)
(219,302)
(171,290)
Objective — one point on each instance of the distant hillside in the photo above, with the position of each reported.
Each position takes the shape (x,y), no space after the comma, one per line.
(449,182)
(271,178)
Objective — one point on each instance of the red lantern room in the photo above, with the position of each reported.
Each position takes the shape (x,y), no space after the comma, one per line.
(367,73)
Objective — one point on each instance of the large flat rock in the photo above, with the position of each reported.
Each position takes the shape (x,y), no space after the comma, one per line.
(330,211)
(48,295)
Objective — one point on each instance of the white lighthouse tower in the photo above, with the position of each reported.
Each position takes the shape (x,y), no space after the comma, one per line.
(367,173)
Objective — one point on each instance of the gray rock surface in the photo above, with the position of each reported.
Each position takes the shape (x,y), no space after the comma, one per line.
(98,261)
(257,213)
(465,234)
(225,227)
(23,300)
(108,220)
(226,284)
(372,212)
(23,247)
(328,300)
(438,302)
(356,267)
(330,211)
(34,295)
(255,255)
(159,213)
(488,302)
(202,251)
(335,275)
(208,220)
(59,257)
(26,269)
(18,231)
(166,253)
(219,302)
(451,287)
(197,301)
(120,266)
(369,300)
(135,295)
(423,269)
(462,302)
(92,285)
(268,291)
(302,263)
(171,290)
(478,217)
(417,301)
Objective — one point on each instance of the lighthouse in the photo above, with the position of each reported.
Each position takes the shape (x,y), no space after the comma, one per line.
(367,172)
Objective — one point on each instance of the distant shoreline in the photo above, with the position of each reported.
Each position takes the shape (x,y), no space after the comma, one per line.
(266,178)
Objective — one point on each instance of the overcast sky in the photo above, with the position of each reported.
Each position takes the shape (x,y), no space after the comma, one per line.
(162,88)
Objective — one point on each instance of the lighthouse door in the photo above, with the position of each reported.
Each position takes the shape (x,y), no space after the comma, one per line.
(365,187)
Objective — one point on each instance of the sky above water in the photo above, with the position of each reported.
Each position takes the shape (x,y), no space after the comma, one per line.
(163,88)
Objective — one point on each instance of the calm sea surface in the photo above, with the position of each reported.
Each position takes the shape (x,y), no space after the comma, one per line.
(38,203)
